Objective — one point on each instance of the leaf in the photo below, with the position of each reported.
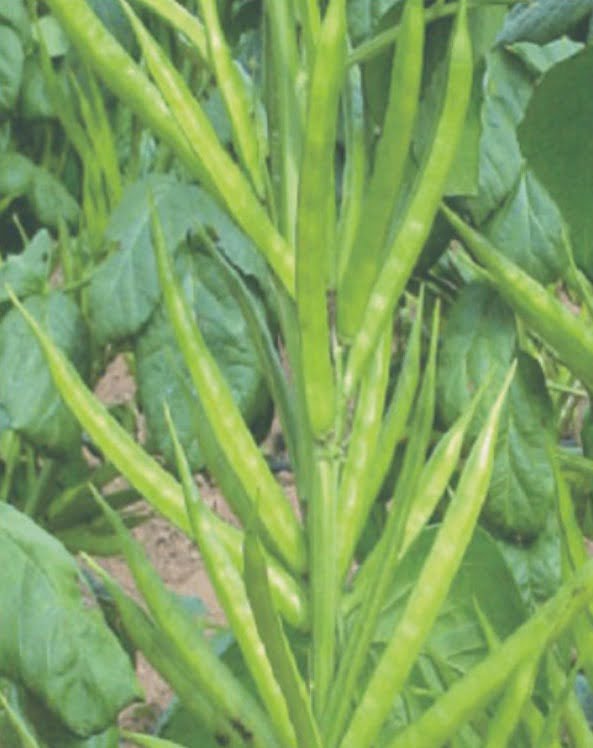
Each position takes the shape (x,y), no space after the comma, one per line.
(13,13)
(538,60)
(124,291)
(27,272)
(179,725)
(162,375)
(365,17)
(543,20)
(555,138)
(27,392)
(35,102)
(478,342)
(53,36)
(522,488)
(61,650)
(50,201)
(116,21)
(536,566)
(457,640)
(16,173)
(11,68)
(528,229)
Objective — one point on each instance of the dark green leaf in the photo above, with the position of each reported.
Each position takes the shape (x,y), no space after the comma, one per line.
(14,13)
(55,40)
(478,342)
(522,488)
(50,200)
(58,647)
(538,60)
(27,392)
(556,140)
(536,566)
(27,273)
(163,377)
(125,290)
(16,174)
(11,68)
(543,20)
(528,229)
(179,725)
(35,99)
(115,19)
(365,16)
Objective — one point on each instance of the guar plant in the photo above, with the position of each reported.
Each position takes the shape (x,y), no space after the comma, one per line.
(417,637)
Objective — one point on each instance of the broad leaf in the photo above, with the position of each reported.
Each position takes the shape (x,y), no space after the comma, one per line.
(27,272)
(11,68)
(365,17)
(16,173)
(556,140)
(163,377)
(50,200)
(27,393)
(478,342)
(522,488)
(536,565)
(124,291)
(13,13)
(542,21)
(528,230)
(50,640)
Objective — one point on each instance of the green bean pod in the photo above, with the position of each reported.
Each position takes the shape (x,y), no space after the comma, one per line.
(363,443)
(417,221)
(148,639)
(569,336)
(184,22)
(314,214)
(148,741)
(217,167)
(144,473)
(277,647)
(431,587)
(512,704)
(187,641)
(227,424)
(385,182)
(235,96)
(232,595)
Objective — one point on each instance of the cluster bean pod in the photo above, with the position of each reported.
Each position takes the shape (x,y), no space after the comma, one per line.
(415,225)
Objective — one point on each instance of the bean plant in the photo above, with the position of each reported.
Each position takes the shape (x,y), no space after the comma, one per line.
(343,624)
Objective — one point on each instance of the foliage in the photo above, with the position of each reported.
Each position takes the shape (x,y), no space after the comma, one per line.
(255,203)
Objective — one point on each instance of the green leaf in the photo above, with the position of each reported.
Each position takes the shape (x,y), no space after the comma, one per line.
(457,640)
(556,140)
(11,68)
(478,342)
(16,174)
(538,60)
(522,489)
(124,291)
(27,272)
(162,375)
(542,21)
(179,725)
(50,201)
(536,566)
(14,13)
(366,17)
(27,392)
(35,100)
(50,640)
(116,21)
(528,229)
(53,36)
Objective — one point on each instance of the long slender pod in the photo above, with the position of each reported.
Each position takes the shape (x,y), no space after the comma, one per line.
(569,336)
(144,473)
(415,225)
(354,508)
(232,595)
(187,640)
(154,645)
(315,195)
(277,647)
(356,648)
(431,587)
(182,21)
(216,166)
(389,161)
(235,96)
(362,445)
(232,435)
(511,706)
